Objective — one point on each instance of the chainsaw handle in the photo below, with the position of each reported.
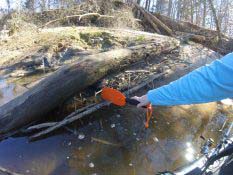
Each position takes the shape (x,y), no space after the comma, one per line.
(133,102)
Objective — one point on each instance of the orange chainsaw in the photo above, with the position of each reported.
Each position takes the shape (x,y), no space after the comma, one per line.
(116,97)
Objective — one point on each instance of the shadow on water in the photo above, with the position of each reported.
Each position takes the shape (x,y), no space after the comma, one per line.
(114,141)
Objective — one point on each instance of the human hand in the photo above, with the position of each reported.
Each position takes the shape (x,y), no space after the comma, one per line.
(143,100)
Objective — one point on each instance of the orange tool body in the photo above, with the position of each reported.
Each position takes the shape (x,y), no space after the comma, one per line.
(116,97)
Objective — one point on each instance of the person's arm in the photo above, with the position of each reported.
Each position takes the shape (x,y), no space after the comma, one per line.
(209,83)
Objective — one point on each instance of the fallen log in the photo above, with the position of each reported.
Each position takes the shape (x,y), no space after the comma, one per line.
(53,90)
(149,20)
(207,37)
(153,20)
(92,109)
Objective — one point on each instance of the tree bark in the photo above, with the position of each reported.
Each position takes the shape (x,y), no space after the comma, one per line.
(169,8)
(147,5)
(178,14)
(204,13)
(8,5)
(149,17)
(216,20)
(149,20)
(70,79)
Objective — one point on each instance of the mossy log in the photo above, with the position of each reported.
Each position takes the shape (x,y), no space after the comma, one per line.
(52,91)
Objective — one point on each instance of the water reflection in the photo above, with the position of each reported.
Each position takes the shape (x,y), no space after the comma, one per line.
(171,141)
(8,91)
(189,152)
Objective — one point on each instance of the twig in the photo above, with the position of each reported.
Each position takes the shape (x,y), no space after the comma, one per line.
(7,172)
(71,130)
(80,110)
(104,142)
(50,124)
(137,71)
(39,126)
(69,120)
(152,78)
(98,92)
(92,109)
(129,83)
(101,124)
(79,18)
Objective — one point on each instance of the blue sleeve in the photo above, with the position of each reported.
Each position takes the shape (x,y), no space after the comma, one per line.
(209,83)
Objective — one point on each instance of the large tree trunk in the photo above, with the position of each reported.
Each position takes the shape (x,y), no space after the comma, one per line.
(216,20)
(204,13)
(64,83)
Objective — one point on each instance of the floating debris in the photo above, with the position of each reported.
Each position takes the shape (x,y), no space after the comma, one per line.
(69,144)
(81,136)
(67,157)
(130,164)
(104,142)
(156,139)
(27,171)
(137,139)
(91,165)
(188,144)
(118,115)
(134,134)
(113,125)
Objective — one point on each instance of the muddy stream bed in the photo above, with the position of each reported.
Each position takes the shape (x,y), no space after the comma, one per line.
(113,141)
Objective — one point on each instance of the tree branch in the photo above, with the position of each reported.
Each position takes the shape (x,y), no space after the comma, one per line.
(79,17)
(92,109)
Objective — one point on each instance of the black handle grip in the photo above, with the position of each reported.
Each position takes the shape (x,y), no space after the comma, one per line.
(133,102)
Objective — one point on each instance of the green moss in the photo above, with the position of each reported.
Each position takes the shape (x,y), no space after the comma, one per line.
(140,38)
(99,39)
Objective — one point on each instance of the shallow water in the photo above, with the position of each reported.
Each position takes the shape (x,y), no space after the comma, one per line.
(121,144)
(8,91)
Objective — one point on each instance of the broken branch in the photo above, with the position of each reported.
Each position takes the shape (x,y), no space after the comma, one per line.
(77,16)
(7,172)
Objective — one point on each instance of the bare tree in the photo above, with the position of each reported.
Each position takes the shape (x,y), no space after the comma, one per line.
(215,19)
(42,5)
(147,6)
(204,13)
(29,4)
(179,6)
(169,8)
(162,6)
(8,5)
